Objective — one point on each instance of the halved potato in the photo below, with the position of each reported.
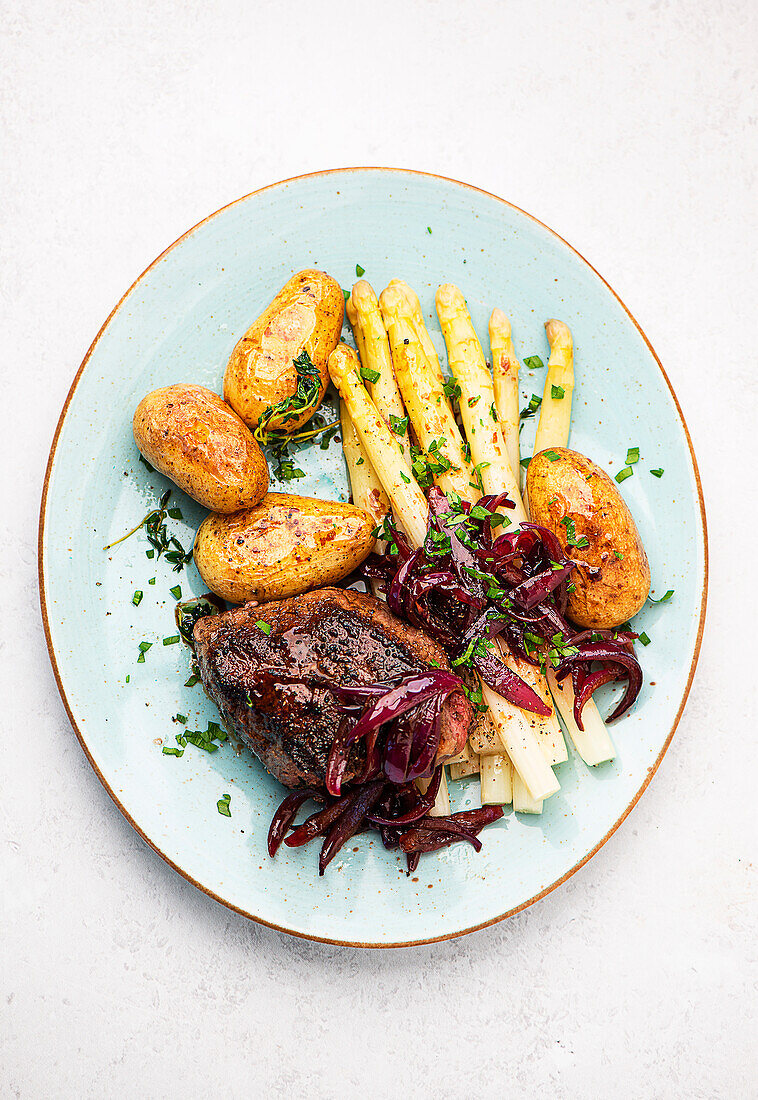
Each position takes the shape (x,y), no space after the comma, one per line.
(190,435)
(571,496)
(305,316)
(284,546)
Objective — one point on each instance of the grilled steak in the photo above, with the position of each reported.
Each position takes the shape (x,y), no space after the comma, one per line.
(272,689)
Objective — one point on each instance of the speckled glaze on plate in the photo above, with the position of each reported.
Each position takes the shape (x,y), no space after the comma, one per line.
(178,323)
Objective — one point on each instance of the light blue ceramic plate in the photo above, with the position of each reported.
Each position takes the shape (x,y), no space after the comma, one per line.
(178,323)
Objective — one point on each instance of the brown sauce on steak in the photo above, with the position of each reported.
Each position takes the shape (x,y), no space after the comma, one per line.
(272,689)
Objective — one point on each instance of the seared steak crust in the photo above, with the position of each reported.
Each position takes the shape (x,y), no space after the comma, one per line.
(272,688)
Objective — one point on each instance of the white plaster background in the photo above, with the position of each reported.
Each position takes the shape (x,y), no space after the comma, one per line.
(628,127)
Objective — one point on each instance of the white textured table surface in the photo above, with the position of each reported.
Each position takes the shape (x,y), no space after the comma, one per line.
(631,130)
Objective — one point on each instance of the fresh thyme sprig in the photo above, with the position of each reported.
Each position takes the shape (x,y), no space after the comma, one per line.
(305,397)
(154,524)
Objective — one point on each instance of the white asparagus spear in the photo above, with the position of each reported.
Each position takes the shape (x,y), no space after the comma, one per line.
(380,444)
(555,411)
(485,740)
(370,335)
(368,493)
(520,744)
(523,802)
(547,728)
(429,412)
(422,333)
(477,402)
(465,756)
(593,743)
(465,768)
(496,780)
(505,376)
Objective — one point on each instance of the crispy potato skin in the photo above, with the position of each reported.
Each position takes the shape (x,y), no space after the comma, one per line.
(576,487)
(190,435)
(284,546)
(306,315)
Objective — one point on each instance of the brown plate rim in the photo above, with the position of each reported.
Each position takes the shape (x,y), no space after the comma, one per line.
(53,661)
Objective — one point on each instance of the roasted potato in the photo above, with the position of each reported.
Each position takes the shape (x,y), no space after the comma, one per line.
(284,546)
(571,496)
(193,437)
(305,316)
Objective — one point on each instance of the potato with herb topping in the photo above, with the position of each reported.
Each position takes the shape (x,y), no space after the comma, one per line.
(284,546)
(278,369)
(576,500)
(189,434)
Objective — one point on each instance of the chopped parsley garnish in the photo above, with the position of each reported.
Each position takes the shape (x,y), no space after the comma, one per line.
(399,424)
(533,362)
(127,679)
(194,679)
(452,389)
(551,456)
(525,463)
(263,625)
(428,229)
(557,392)
(657,473)
(172,640)
(622,475)
(360,271)
(436,544)
(632,456)
(493,412)
(465,657)
(137,598)
(151,581)
(477,512)
(369,375)
(619,555)
(204,739)
(223,805)
(571,539)
(181,718)
(143,648)
(644,638)
(474,696)
(176,591)
(150,553)
(150,469)
(360,461)
(473,400)
(171,750)
(288,471)
(529,411)
(477,471)
(345,294)
(427,466)
(664,598)
(405,477)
